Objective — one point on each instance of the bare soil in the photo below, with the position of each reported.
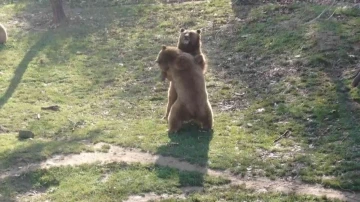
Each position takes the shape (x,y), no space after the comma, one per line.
(119,154)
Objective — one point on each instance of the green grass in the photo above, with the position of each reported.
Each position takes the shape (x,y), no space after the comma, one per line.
(239,193)
(111,182)
(100,70)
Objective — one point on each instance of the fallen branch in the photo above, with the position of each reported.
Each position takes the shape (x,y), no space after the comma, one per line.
(332,14)
(344,138)
(54,108)
(285,134)
(332,4)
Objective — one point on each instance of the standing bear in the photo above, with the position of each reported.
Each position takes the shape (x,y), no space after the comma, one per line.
(356,80)
(189,42)
(3,34)
(187,78)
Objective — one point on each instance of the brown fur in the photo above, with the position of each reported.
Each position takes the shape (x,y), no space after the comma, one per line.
(356,80)
(189,42)
(3,34)
(188,80)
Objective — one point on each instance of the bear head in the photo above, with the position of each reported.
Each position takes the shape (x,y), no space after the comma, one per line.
(190,41)
(165,58)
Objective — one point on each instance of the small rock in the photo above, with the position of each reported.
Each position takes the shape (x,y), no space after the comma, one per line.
(25,134)
(239,94)
(226,66)
(260,110)
(263,190)
(137,197)
(249,124)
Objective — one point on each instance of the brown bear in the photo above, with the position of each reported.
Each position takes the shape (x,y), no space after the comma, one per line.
(356,80)
(3,34)
(188,80)
(189,42)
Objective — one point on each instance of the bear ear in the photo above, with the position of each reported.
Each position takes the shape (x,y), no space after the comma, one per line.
(163,47)
(198,31)
(182,30)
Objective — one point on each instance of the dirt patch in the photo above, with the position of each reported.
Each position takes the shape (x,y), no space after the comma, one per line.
(153,197)
(30,196)
(119,154)
(156,197)
(181,1)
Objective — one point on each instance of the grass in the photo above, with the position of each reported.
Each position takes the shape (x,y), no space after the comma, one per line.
(272,72)
(110,182)
(239,193)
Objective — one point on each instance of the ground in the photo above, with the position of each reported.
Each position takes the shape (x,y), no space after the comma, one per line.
(278,80)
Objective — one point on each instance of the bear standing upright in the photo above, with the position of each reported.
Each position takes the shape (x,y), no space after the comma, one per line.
(3,34)
(188,80)
(356,80)
(189,42)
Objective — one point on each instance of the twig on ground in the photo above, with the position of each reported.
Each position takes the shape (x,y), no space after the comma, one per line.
(332,4)
(344,138)
(331,15)
(285,134)
(54,108)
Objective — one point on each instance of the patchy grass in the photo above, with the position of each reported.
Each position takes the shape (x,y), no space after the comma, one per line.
(109,182)
(269,72)
(238,193)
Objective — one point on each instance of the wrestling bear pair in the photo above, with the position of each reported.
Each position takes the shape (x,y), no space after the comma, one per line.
(184,66)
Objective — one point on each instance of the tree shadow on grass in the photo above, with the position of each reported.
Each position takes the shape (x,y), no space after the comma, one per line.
(20,172)
(35,152)
(306,90)
(335,132)
(192,146)
(77,28)
(2,46)
(21,69)
(27,184)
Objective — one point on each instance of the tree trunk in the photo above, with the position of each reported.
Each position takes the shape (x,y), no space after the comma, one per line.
(58,11)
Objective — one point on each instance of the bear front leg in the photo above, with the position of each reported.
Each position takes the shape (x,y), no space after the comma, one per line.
(172,96)
(200,60)
(184,61)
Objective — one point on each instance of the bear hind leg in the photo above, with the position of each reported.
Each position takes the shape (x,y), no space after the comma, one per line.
(172,96)
(178,114)
(206,118)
